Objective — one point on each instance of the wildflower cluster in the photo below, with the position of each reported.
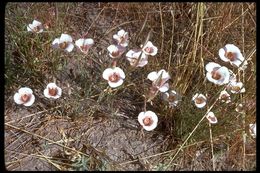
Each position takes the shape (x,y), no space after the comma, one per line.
(138,57)
(25,95)
(221,75)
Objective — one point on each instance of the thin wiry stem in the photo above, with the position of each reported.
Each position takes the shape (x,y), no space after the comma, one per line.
(33,134)
(212,148)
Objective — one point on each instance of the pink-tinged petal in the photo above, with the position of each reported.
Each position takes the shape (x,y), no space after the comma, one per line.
(29,28)
(124,44)
(79,42)
(36,23)
(89,41)
(212,118)
(222,56)
(120,71)
(115,84)
(142,63)
(211,65)
(31,101)
(59,91)
(200,105)
(25,90)
(112,48)
(51,85)
(236,63)
(152,76)
(252,130)
(70,47)
(107,73)
(121,33)
(46,93)
(240,57)
(130,54)
(165,75)
(195,96)
(65,38)
(164,88)
(225,73)
(116,37)
(56,42)
(141,116)
(232,48)
(17,98)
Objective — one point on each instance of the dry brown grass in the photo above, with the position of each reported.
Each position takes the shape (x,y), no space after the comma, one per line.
(93,127)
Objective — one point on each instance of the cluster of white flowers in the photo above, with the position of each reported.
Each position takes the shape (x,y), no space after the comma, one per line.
(65,42)
(215,73)
(221,75)
(25,95)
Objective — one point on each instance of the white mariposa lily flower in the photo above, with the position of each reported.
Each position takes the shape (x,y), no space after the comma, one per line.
(172,97)
(133,55)
(65,42)
(236,87)
(231,53)
(252,130)
(24,96)
(52,91)
(149,49)
(121,38)
(115,51)
(240,108)
(217,74)
(224,97)
(84,44)
(200,100)
(36,27)
(114,76)
(148,120)
(212,118)
(160,83)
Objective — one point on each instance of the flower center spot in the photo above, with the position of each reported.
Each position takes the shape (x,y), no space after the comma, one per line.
(121,39)
(147,121)
(213,119)
(25,97)
(36,29)
(172,98)
(84,47)
(224,97)
(231,56)
(236,88)
(199,100)
(115,53)
(114,77)
(149,49)
(63,45)
(53,91)
(215,75)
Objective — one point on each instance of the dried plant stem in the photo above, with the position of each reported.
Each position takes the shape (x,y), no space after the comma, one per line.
(212,148)
(162,26)
(170,56)
(33,134)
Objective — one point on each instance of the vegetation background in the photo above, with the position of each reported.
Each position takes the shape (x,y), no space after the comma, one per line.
(92,127)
